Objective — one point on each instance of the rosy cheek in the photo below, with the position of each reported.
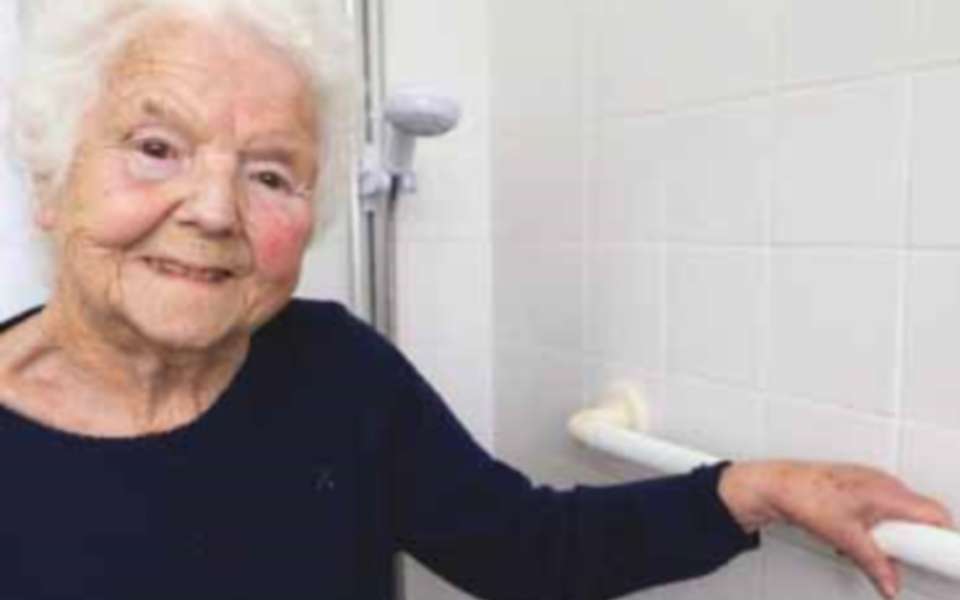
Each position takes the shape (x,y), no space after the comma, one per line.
(119,212)
(278,237)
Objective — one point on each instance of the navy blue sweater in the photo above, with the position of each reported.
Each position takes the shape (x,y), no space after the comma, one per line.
(327,454)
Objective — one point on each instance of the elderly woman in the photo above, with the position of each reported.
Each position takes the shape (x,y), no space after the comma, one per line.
(174,426)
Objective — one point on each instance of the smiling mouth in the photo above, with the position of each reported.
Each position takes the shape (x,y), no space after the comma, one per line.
(174,268)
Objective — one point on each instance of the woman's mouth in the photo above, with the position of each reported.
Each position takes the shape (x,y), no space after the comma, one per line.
(199,274)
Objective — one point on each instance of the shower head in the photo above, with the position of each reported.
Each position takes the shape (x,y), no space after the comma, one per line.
(413,112)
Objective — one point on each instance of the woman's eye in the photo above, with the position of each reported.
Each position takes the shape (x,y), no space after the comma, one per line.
(156,156)
(158,149)
(273,181)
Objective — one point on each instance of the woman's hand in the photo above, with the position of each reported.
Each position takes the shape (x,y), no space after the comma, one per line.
(839,503)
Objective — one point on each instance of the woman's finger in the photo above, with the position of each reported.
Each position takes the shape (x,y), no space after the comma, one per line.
(863,551)
(909,506)
(928,510)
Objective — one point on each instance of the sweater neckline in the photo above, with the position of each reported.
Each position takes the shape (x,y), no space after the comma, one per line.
(13,419)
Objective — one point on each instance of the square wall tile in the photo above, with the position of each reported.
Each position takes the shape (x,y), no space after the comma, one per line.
(936,34)
(662,53)
(936,179)
(417,302)
(833,327)
(537,295)
(804,430)
(624,200)
(719,420)
(536,392)
(824,39)
(541,79)
(443,207)
(841,165)
(623,313)
(443,293)
(720,178)
(537,169)
(436,40)
(715,301)
(932,343)
(465,292)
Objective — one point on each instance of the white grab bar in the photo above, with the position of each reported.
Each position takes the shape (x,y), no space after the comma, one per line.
(613,428)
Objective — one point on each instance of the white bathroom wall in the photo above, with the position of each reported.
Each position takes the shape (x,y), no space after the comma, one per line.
(750,206)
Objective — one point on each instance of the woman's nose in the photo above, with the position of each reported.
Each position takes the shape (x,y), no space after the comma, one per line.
(213,204)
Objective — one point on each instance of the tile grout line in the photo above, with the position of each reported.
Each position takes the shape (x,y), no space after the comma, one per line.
(663,281)
(765,353)
(903,279)
(584,24)
(786,88)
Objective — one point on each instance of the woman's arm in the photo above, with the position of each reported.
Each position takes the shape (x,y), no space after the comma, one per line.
(487,529)
(839,503)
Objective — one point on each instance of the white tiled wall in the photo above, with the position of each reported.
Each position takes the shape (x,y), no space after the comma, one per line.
(827,40)
(936,140)
(751,206)
(845,142)
(726,49)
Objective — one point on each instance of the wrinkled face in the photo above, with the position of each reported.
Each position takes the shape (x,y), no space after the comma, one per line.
(188,206)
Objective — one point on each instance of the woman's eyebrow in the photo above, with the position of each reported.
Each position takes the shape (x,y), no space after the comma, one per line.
(280,154)
(293,153)
(164,110)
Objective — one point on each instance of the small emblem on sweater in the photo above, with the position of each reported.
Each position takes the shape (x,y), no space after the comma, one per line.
(324,481)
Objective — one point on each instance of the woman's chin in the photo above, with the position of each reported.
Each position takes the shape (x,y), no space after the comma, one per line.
(189,338)
(186,329)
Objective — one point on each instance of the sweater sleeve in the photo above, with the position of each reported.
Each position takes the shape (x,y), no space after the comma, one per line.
(484,527)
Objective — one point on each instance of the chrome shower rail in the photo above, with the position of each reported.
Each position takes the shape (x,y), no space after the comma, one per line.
(613,428)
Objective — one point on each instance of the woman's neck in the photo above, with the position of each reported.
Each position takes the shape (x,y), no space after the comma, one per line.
(75,372)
